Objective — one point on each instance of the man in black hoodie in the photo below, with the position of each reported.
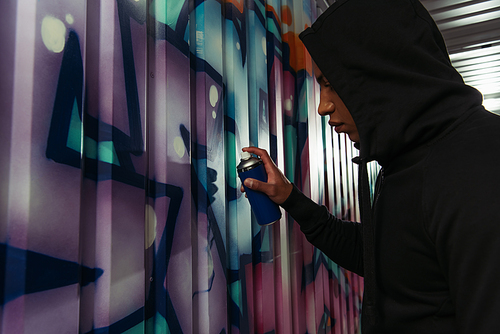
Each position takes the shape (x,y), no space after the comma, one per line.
(429,246)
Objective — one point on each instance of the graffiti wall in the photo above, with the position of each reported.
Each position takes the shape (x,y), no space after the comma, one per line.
(121,211)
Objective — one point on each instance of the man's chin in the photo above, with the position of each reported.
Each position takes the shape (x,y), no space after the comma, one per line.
(353,138)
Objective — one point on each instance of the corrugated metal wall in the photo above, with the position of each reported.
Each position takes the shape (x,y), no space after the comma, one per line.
(122,123)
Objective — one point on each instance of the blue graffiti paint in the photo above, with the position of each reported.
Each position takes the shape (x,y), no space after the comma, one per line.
(41,272)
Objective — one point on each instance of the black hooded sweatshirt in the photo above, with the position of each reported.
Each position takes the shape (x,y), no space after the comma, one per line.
(429,247)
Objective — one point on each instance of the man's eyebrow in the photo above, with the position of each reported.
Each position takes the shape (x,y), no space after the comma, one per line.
(320,78)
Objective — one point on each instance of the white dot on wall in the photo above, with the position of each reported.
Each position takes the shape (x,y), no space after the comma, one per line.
(150,233)
(288,105)
(214,114)
(237,45)
(210,266)
(213,95)
(264,45)
(179,147)
(53,34)
(70,19)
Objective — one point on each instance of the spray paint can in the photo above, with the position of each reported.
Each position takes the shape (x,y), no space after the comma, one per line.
(264,209)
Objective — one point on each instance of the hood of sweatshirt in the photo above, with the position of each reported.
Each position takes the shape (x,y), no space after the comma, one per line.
(388,62)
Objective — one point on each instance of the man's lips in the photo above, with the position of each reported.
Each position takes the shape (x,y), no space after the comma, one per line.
(337,126)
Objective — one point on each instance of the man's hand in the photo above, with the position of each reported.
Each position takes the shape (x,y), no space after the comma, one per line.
(277,187)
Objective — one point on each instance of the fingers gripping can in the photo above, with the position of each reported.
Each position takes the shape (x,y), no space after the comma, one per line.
(264,209)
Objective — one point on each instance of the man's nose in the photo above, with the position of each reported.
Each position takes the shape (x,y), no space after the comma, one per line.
(325,107)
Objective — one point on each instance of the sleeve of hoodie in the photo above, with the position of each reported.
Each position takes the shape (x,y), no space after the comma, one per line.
(340,240)
(464,223)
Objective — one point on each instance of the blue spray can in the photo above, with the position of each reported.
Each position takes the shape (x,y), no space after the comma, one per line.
(264,209)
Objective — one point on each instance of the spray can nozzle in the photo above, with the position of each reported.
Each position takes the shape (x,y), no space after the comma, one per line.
(245,155)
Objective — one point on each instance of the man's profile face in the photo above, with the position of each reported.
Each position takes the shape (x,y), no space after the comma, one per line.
(330,104)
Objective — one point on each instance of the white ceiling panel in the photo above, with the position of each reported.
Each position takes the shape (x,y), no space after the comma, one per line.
(471,30)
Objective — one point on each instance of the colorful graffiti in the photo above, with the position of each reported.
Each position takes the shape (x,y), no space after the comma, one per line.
(121,211)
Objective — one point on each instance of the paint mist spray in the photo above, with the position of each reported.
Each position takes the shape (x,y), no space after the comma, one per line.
(264,209)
